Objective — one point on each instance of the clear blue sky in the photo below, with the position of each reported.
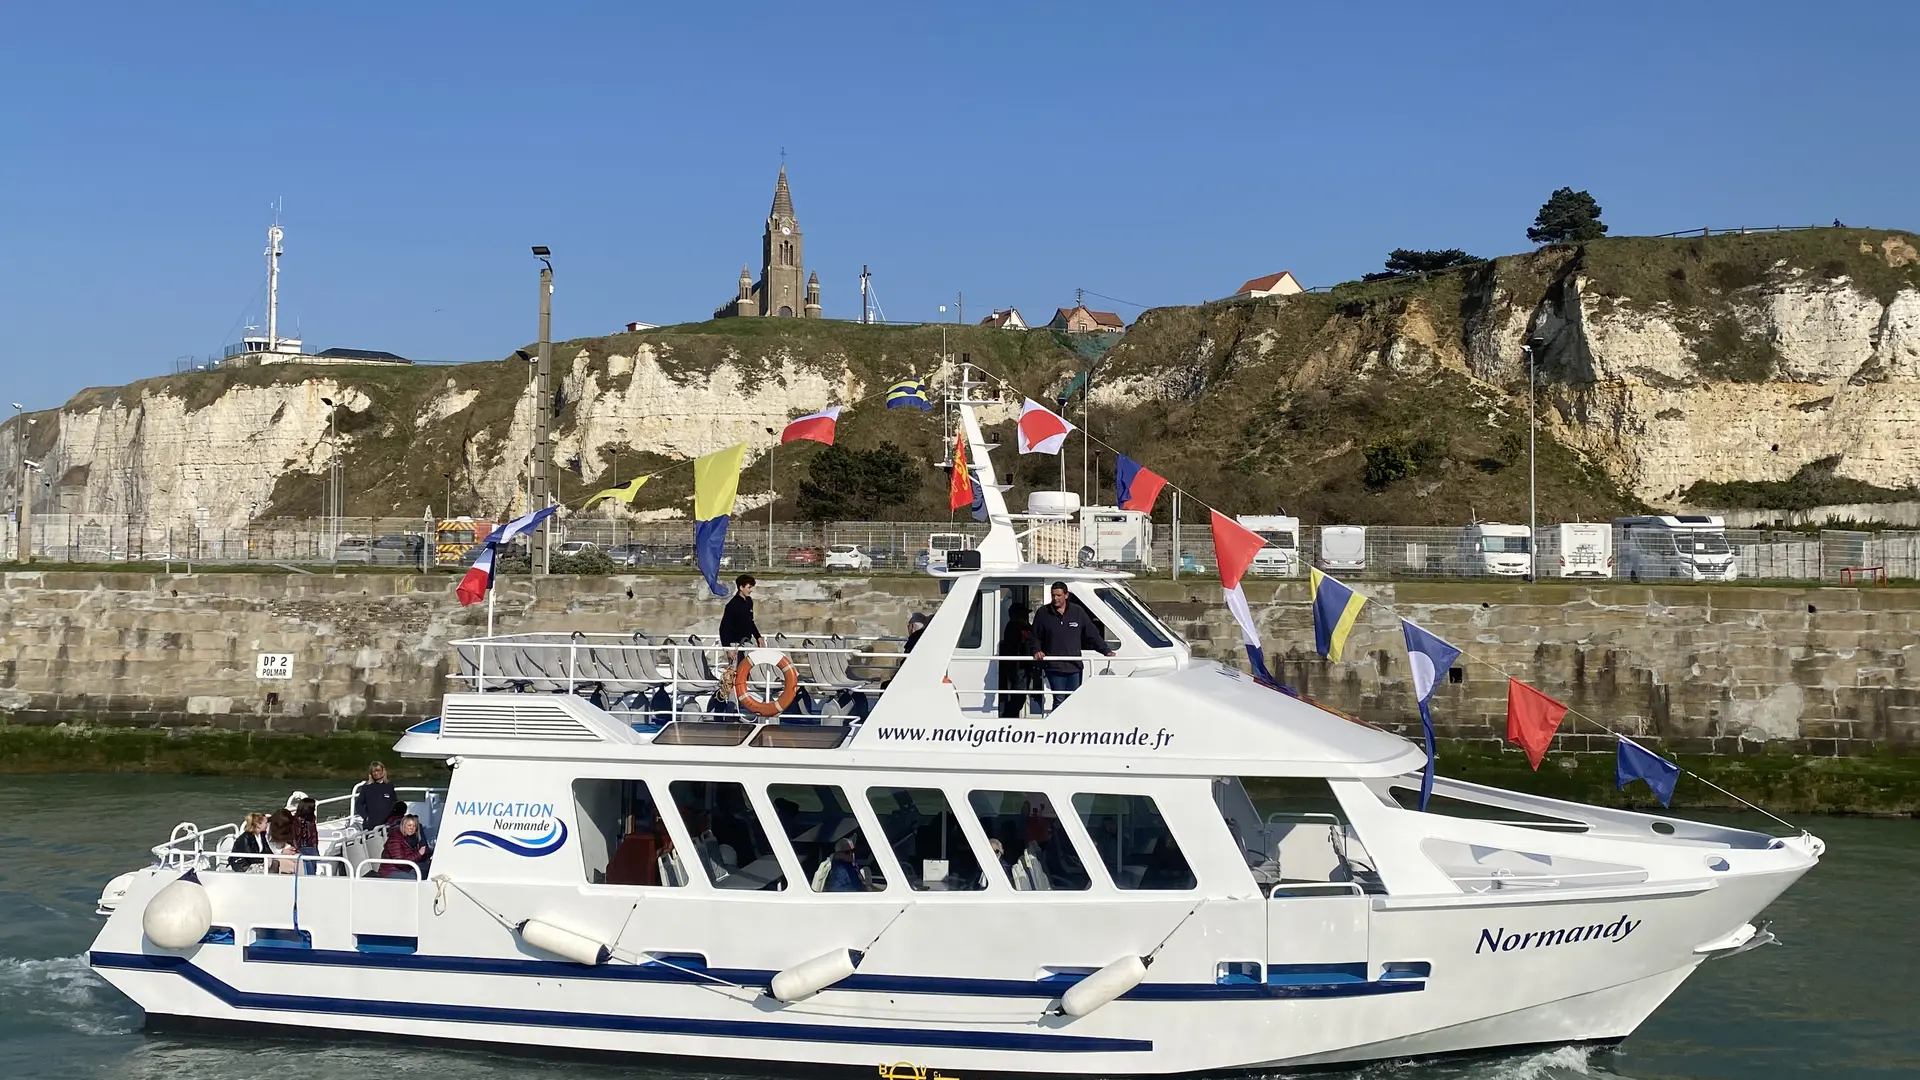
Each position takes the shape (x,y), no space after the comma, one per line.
(1156,155)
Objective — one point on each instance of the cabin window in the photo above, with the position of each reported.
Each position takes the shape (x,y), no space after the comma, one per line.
(1123,603)
(623,839)
(1032,849)
(818,821)
(728,841)
(1134,842)
(973,632)
(927,839)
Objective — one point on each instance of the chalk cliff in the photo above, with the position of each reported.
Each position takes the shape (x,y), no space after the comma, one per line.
(1663,363)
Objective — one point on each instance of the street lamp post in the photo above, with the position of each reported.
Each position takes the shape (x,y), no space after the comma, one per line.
(770,498)
(543,411)
(448,477)
(332,529)
(1533,526)
(23,489)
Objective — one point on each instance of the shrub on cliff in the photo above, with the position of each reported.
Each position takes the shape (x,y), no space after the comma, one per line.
(857,485)
(1405,262)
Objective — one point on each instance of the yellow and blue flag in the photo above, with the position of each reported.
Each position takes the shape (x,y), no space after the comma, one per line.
(625,493)
(716,480)
(1336,609)
(909,394)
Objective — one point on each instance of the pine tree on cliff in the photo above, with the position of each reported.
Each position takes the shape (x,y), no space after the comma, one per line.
(1567,217)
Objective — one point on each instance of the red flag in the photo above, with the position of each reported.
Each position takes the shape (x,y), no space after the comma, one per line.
(1233,547)
(815,426)
(960,486)
(1532,718)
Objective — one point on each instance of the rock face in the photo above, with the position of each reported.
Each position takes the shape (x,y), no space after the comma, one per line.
(1663,363)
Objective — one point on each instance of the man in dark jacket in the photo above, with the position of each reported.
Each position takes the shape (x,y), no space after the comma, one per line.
(374,802)
(737,627)
(1060,631)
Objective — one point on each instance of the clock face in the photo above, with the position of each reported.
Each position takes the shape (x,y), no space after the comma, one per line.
(786,230)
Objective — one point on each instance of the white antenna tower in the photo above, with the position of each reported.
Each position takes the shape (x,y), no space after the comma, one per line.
(274,233)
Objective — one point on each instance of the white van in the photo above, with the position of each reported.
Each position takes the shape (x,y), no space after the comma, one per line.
(1500,550)
(1343,549)
(1281,556)
(1110,536)
(1585,549)
(1690,547)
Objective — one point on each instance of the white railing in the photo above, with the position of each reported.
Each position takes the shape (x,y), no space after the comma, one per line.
(189,846)
(652,681)
(1506,879)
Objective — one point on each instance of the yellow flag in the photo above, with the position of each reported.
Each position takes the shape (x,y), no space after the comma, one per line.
(716,480)
(625,493)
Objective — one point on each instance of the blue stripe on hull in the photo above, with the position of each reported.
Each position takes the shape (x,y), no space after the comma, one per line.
(650,1025)
(1337,980)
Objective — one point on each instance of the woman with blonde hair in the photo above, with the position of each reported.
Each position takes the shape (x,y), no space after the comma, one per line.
(250,846)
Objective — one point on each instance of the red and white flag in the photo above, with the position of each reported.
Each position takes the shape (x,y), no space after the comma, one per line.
(815,426)
(1041,430)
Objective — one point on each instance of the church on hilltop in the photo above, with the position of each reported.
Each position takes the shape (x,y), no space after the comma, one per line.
(779,291)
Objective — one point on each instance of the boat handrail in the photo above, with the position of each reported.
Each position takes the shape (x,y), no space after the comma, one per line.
(1504,879)
(1315,888)
(317,861)
(360,868)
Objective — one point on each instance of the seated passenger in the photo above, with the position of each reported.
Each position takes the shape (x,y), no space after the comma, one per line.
(280,840)
(250,845)
(406,844)
(844,873)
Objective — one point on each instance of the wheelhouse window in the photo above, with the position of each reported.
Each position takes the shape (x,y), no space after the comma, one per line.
(1033,851)
(1134,842)
(927,839)
(1131,611)
(819,823)
(623,839)
(728,840)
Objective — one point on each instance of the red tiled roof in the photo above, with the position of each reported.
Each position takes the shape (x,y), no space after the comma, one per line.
(1263,284)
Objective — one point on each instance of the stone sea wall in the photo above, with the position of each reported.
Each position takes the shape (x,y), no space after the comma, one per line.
(1698,669)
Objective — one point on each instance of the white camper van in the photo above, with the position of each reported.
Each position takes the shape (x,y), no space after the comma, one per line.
(1691,547)
(1110,536)
(1585,549)
(1501,550)
(1281,556)
(1343,549)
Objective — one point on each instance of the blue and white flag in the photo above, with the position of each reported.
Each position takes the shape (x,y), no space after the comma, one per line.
(1636,762)
(1427,657)
(520,526)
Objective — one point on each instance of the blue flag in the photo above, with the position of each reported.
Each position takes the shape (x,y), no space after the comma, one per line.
(979,497)
(1636,762)
(1427,657)
(909,394)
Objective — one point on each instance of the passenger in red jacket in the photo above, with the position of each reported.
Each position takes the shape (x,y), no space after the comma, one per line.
(405,844)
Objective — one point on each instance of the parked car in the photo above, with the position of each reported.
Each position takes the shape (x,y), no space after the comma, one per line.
(727,558)
(848,557)
(397,549)
(884,556)
(803,556)
(576,547)
(353,549)
(630,555)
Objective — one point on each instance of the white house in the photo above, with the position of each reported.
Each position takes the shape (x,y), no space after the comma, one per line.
(1280,284)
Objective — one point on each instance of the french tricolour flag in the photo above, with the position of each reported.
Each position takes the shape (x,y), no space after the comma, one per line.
(1042,431)
(478,581)
(815,426)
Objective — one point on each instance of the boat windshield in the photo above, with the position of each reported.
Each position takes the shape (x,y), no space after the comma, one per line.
(1133,611)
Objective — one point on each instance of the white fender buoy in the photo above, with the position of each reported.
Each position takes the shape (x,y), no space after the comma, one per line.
(806,979)
(560,941)
(179,914)
(1103,986)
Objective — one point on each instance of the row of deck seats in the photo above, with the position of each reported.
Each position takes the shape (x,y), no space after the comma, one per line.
(553,662)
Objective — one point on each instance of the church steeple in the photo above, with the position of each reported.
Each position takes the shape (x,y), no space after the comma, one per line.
(782,198)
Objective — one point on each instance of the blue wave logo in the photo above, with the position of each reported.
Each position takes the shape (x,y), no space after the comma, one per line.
(554,840)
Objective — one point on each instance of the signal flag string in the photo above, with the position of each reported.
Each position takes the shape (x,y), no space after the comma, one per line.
(1394,612)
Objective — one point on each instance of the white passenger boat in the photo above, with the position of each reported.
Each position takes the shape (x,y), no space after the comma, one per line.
(1175,870)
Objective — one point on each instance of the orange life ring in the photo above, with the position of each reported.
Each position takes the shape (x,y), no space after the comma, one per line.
(771,658)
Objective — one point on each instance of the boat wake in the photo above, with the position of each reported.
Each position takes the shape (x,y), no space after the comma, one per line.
(62,992)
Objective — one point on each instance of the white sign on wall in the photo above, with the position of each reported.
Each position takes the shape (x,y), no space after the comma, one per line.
(274,666)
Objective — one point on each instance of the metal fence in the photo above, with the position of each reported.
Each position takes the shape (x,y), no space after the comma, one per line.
(1393,552)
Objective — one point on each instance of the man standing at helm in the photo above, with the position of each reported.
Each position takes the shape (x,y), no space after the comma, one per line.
(1060,631)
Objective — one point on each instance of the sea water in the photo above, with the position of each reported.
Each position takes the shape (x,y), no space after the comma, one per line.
(1836,1000)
